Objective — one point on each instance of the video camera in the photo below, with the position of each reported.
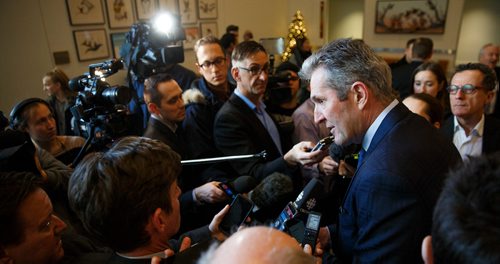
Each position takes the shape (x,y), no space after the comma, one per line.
(100,109)
(152,47)
(278,89)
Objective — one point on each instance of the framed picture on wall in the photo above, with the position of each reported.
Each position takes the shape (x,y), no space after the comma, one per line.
(187,10)
(119,13)
(117,40)
(417,16)
(207,9)
(87,12)
(91,44)
(208,29)
(145,9)
(192,35)
(171,6)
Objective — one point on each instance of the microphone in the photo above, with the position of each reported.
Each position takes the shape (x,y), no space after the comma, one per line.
(242,184)
(271,191)
(306,201)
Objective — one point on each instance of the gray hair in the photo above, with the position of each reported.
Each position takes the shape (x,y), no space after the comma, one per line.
(347,61)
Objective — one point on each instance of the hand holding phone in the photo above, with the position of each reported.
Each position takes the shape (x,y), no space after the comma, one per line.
(239,210)
(323,143)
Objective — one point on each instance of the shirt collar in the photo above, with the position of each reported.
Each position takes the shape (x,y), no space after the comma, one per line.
(172,126)
(477,130)
(370,133)
(247,101)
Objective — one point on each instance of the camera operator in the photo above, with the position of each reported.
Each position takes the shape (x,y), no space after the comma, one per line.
(149,50)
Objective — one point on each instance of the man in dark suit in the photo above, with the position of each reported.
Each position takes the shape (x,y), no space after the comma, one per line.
(243,126)
(163,98)
(387,209)
(421,51)
(128,198)
(471,90)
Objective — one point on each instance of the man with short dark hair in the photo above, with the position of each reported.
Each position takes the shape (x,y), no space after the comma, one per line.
(471,89)
(387,209)
(244,126)
(128,197)
(421,51)
(29,231)
(467,216)
(489,55)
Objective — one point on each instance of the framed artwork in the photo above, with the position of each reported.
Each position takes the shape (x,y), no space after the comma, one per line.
(91,44)
(146,9)
(411,16)
(208,29)
(192,35)
(171,6)
(119,13)
(117,40)
(207,9)
(187,10)
(85,12)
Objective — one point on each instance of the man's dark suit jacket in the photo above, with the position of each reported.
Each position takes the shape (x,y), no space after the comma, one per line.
(401,78)
(158,130)
(388,208)
(238,131)
(491,138)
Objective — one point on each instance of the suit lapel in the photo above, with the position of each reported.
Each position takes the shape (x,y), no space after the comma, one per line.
(258,127)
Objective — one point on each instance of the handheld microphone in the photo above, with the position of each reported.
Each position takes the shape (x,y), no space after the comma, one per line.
(271,191)
(306,201)
(242,184)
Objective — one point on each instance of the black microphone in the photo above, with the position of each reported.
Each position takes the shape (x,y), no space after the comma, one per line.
(242,184)
(306,201)
(271,191)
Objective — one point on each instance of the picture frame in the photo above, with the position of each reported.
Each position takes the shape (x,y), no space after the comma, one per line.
(187,9)
(120,15)
(192,35)
(145,9)
(91,44)
(411,16)
(208,29)
(117,40)
(87,12)
(207,9)
(171,6)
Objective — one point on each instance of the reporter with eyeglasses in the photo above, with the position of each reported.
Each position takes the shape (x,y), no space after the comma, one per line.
(471,90)
(245,126)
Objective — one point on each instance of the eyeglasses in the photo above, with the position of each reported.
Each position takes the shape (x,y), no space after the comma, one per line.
(466,89)
(256,70)
(217,62)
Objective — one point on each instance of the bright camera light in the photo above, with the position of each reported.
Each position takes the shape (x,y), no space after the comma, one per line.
(164,23)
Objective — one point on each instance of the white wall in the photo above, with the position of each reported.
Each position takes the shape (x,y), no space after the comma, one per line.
(346,19)
(480,25)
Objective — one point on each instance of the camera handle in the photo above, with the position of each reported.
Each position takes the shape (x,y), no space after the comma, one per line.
(85,147)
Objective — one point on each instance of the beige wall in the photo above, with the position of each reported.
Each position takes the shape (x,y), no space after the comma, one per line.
(33,29)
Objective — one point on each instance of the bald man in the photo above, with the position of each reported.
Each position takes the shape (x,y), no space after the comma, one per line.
(258,245)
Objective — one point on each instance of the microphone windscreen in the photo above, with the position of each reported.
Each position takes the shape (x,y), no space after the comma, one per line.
(272,190)
(243,184)
(308,198)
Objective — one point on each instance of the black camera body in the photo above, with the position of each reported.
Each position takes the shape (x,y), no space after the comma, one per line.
(150,52)
(278,91)
(100,109)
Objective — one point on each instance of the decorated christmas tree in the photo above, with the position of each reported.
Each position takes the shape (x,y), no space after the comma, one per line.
(296,30)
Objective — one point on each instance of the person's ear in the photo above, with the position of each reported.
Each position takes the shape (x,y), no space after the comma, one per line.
(360,92)
(489,96)
(158,220)
(235,72)
(427,250)
(153,108)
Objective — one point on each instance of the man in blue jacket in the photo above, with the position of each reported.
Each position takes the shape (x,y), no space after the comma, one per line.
(387,209)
